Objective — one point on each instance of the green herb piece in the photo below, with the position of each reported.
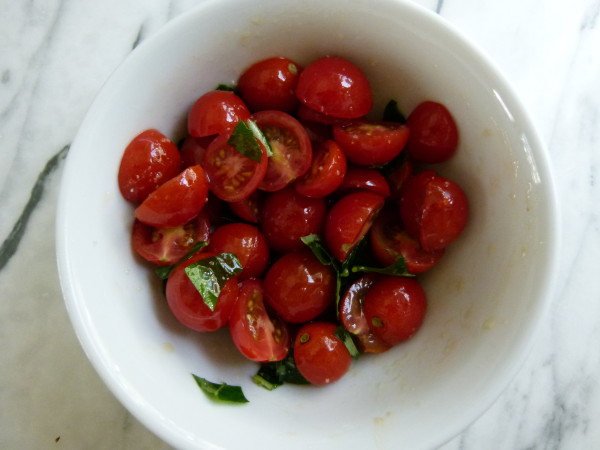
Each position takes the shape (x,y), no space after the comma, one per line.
(313,241)
(343,335)
(391,113)
(225,87)
(398,269)
(272,375)
(258,134)
(164,271)
(243,140)
(209,275)
(221,392)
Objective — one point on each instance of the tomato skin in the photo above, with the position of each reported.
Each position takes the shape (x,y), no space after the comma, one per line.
(335,87)
(326,173)
(363,178)
(398,177)
(319,355)
(216,112)
(244,241)
(177,201)
(298,287)
(257,335)
(291,146)
(349,220)
(306,114)
(270,84)
(166,246)
(249,208)
(434,134)
(287,216)
(187,304)
(434,210)
(193,148)
(368,143)
(149,160)
(395,308)
(232,176)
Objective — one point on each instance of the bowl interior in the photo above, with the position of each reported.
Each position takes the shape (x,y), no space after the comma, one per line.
(485,299)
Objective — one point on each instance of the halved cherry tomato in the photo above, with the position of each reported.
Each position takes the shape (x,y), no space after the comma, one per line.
(249,208)
(326,172)
(177,201)
(187,304)
(349,220)
(244,241)
(364,179)
(166,246)
(258,335)
(232,176)
(306,114)
(216,112)
(434,210)
(299,287)
(270,84)
(433,133)
(292,150)
(335,87)
(369,143)
(319,354)
(287,216)
(149,160)
(395,308)
(193,148)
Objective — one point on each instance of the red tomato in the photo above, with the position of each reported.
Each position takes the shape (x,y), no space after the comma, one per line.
(349,220)
(177,201)
(244,241)
(258,336)
(335,87)
(389,241)
(365,179)
(319,355)
(193,148)
(433,133)
(326,172)
(232,176)
(249,208)
(292,150)
(434,210)
(149,160)
(166,246)
(369,143)
(299,287)
(187,304)
(398,177)
(306,114)
(287,216)
(270,84)
(353,318)
(216,112)
(395,308)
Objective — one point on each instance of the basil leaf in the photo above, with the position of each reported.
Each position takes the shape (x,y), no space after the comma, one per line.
(221,392)
(209,275)
(272,375)
(319,250)
(225,87)
(357,253)
(343,335)
(391,113)
(245,139)
(258,134)
(164,271)
(398,268)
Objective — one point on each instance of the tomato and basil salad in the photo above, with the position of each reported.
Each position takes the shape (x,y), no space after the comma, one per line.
(292,216)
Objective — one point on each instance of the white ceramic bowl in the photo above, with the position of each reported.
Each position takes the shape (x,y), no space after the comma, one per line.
(486,299)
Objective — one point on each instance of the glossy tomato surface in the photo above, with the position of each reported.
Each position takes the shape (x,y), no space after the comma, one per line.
(433,133)
(249,208)
(364,179)
(326,173)
(216,112)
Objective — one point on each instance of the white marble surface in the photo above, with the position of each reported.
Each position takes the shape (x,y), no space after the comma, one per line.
(54,57)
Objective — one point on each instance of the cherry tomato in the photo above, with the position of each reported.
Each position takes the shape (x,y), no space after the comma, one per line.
(353,318)
(326,172)
(299,287)
(364,179)
(398,177)
(287,216)
(193,148)
(389,241)
(166,246)
(433,133)
(395,308)
(306,114)
(177,201)
(148,161)
(250,207)
(232,176)
(349,220)
(292,150)
(257,335)
(244,241)
(187,304)
(270,84)
(369,143)
(319,355)
(434,210)
(335,87)
(216,112)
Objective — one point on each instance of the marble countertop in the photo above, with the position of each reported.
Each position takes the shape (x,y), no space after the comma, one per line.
(54,57)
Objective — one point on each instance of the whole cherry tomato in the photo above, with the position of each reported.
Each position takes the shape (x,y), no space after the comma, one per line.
(433,133)
(216,112)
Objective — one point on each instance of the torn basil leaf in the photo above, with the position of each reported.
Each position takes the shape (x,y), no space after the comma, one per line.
(343,335)
(258,134)
(272,375)
(313,241)
(391,113)
(209,275)
(222,392)
(398,269)
(243,140)
(225,87)
(164,271)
